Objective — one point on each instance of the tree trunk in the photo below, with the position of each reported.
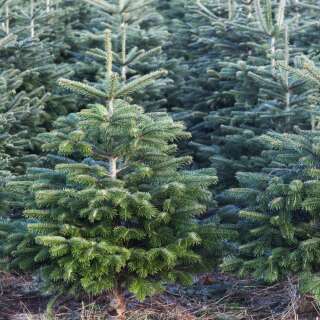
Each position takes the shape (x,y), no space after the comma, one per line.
(7,22)
(117,306)
(32,19)
(48,6)
(273,51)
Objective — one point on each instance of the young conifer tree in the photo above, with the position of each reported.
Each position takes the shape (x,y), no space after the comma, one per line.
(243,38)
(179,53)
(21,114)
(120,213)
(138,36)
(42,50)
(244,95)
(29,69)
(280,205)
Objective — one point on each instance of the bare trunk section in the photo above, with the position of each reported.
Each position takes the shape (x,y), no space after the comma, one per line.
(249,10)
(313,122)
(286,73)
(124,73)
(112,160)
(48,6)
(231,8)
(110,108)
(117,306)
(32,19)
(7,22)
(123,51)
(113,168)
(273,51)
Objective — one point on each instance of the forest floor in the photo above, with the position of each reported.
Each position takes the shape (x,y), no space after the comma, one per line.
(213,297)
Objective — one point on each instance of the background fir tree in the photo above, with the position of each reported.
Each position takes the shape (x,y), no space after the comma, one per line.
(249,96)
(21,115)
(279,205)
(226,134)
(31,54)
(37,52)
(139,33)
(180,55)
(280,212)
(242,95)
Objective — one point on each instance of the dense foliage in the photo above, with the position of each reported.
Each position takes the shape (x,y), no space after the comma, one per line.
(98,191)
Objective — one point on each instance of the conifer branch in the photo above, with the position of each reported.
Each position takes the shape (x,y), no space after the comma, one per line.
(81,88)
(104,5)
(108,55)
(140,83)
(263,20)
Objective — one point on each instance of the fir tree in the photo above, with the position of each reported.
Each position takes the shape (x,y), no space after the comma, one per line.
(138,36)
(180,55)
(224,45)
(244,94)
(279,215)
(280,211)
(21,114)
(121,212)
(28,72)
(42,51)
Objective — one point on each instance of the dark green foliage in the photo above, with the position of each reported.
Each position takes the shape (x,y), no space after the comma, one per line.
(36,52)
(139,33)
(279,205)
(112,202)
(280,208)
(241,94)
(225,129)
(29,68)
(121,212)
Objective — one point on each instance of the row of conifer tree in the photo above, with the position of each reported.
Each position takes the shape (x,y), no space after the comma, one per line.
(98,188)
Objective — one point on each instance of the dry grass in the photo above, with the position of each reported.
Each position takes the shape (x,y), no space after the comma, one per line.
(18,297)
(245,300)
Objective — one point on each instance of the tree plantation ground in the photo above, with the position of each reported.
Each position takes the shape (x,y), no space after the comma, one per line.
(226,298)
(159,159)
